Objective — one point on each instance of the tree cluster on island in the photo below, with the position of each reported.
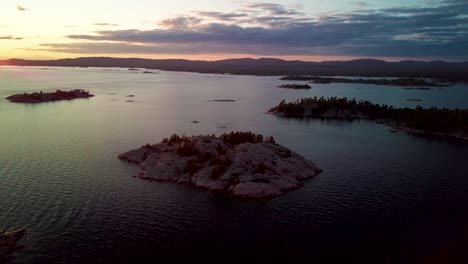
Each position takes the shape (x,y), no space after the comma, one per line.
(433,120)
(239,164)
(42,97)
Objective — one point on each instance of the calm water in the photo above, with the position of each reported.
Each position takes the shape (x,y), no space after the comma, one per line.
(382,196)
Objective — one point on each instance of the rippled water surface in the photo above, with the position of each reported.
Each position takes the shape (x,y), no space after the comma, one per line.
(382,196)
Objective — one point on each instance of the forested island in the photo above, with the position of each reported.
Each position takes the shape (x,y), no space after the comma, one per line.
(238,164)
(447,122)
(295,86)
(41,97)
(405,82)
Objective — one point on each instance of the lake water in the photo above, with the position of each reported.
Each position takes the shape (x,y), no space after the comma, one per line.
(382,196)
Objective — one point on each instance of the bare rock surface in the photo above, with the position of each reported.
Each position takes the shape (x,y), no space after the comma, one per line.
(240,164)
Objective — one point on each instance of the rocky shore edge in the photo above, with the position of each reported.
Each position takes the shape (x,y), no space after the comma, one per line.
(455,135)
(9,244)
(238,164)
(444,122)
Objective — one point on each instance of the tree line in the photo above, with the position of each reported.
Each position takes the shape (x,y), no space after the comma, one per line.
(431,119)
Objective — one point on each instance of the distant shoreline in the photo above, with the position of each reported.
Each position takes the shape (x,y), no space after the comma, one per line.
(431,121)
(461,136)
(450,71)
(409,83)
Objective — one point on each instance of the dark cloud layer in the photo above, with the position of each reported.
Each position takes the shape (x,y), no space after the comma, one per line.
(438,31)
(179,23)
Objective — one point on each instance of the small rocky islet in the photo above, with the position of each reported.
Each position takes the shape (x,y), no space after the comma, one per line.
(41,97)
(238,164)
(9,244)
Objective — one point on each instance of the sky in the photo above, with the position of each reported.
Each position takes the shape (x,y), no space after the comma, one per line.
(313,30)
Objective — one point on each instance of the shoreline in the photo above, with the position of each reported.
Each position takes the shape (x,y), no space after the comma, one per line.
(10,244)
(239,164)
(406,82)
(279,75)
(436,121)
(422,132)
(41,97)
(449,71)
(384,122)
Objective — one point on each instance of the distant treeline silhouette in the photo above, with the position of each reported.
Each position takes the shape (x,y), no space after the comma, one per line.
(273,67)
(405,82)
(438,120)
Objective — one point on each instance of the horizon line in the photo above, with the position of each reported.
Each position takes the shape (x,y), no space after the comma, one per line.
(240,58)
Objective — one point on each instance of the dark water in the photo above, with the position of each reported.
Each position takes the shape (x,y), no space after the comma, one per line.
(382,197)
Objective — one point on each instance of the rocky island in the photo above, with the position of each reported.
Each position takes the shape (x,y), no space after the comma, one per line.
(41,97)
(445,122)
(239,164)
(295,86)
(9,244)
(404,82)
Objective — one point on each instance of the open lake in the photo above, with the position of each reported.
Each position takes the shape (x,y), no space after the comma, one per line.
(382,196)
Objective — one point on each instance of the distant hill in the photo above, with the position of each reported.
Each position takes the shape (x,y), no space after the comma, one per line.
(266,66)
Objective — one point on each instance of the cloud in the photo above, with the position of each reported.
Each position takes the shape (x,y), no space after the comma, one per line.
(273,9)
(412,37)
(180,22)
(220,16)
(421,31)
(195,48)
(360,4)
(20,8)
(105,24)
(10,38)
